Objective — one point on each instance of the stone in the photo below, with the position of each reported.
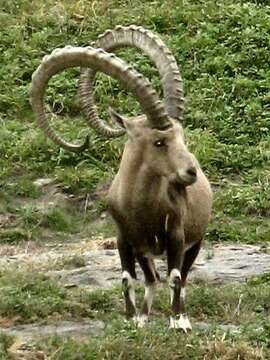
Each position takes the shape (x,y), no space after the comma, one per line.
(64,329)
(43,182)
(231,263)
(227,264)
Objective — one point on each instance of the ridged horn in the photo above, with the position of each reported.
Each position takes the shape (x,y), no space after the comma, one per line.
(152,46)
(99,60)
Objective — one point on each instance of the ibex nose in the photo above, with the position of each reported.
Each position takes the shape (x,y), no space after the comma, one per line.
(192,171)
(187,177)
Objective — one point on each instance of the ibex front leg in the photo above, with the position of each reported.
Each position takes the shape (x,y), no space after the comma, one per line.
(128,275)
(150,276)
(175,253)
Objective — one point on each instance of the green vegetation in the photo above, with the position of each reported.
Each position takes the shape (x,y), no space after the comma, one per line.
(222,48)
(36,296)
(72,262)
(31,222)
(147,345)
(28,297)
(5,343)
(226,109)
(246,335)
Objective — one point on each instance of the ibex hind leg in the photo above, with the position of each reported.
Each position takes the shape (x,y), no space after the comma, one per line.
(189,258)
(128,291)
(181,320)
(176,254)
(152,264)
(176,319)
(149,271)
(128,268)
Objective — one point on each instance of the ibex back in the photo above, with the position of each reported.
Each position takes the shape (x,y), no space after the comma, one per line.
(160,199)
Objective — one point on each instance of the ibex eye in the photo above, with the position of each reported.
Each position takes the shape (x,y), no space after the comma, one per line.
(159,143)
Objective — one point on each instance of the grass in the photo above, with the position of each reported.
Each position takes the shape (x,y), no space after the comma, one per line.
(247,230)
(222,49)
(148,343)
(28,297)
(5,342)
(31,222)
(23,187)
(40,297)
(68,262)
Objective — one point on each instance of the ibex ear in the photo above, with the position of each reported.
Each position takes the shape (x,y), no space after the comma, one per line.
(117,117)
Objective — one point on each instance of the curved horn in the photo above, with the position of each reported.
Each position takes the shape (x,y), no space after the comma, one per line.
(99,60)
(151,45)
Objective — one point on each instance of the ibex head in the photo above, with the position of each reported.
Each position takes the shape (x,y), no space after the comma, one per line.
(162,151)
(158,133)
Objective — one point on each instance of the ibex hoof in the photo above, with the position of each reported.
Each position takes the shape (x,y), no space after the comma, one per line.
(140,320)
(180,322)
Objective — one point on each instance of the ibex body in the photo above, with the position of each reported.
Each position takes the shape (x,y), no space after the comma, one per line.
(161,202)
(160,198)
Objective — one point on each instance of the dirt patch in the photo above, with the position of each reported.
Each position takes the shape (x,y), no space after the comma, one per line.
(220,263)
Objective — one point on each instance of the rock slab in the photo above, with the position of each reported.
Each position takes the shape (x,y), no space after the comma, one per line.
(63,329)
(222,264)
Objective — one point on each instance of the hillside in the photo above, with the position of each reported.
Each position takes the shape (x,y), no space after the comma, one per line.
(49,196)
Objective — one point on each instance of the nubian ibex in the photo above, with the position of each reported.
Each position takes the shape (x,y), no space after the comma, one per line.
(160,199)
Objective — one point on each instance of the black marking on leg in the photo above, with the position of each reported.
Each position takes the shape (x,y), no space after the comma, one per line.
(189,257)
(130,307)
(148,267)
(175,250)
(176,302)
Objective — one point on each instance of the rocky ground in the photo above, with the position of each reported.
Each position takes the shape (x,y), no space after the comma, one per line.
(101,270)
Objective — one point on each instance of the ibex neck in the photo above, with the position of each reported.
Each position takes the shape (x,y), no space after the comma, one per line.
(140,183)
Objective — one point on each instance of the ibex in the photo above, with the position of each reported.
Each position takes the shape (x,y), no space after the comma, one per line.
(160,199)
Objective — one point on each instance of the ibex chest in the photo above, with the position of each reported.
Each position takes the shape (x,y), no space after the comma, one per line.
(146,232)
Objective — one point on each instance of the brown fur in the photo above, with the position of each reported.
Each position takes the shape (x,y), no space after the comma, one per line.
(161,202)
(143,192)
